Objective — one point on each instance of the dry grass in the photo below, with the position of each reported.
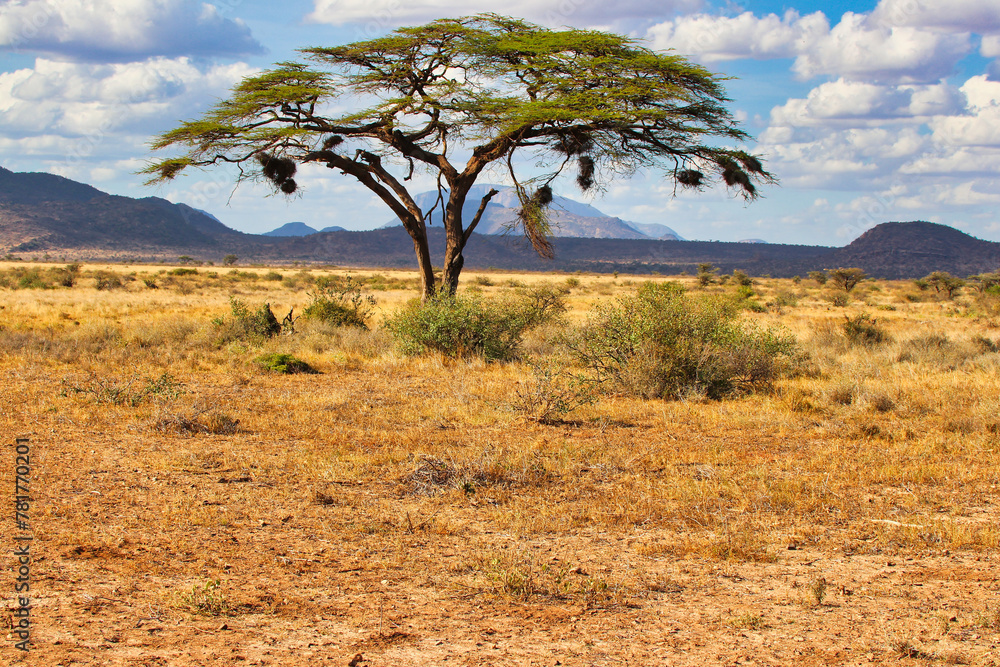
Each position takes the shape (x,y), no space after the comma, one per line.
(178,482)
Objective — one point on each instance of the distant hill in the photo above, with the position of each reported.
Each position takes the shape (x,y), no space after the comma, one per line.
(51,214)
(292,229)
(915,249)
(569,218)
(44,211)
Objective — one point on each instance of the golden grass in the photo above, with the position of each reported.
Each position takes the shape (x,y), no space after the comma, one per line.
(887,451)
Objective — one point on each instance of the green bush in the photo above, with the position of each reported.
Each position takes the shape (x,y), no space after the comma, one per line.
(863,329)
(247,325)
(278,362)
(470,325)
(662,342)
(108,280)
(340,303)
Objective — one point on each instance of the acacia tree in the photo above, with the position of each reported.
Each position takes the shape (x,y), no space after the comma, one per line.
(484,89)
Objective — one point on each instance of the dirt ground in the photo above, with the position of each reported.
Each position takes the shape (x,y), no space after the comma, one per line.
(190,508)
(122,543)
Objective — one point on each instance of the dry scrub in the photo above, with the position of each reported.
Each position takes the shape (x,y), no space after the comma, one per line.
(195,508)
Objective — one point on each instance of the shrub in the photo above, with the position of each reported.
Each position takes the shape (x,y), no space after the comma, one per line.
(742,279)
(67,275)
(818,276)
(248,325)
(706,274)
(183,272)
(340,304)
(846,279)
(663,343)
(278,362)
(467,325)
(108,280)
(863,329)
(942,281)
(31,279)
(839,299)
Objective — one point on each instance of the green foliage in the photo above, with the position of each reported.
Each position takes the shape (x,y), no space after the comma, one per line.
(230,259)
(129,392)
(286,364)
(819,277)
(846,279)
(340,303)
(471,325)
(596,102)
(863,329)
(207,600)
(742,279)
(108,280)
(942,281)
(662,342)
(983,282)
(31,279)
(247,325)
(706,274)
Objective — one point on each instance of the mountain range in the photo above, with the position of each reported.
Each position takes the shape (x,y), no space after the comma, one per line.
(44,213)
(569,218)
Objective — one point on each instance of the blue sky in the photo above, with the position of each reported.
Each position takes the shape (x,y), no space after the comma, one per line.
(866,111)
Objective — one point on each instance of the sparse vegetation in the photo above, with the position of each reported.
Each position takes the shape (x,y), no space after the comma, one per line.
(863,329)
(846,279)
(470,325)
(207,500)
(340,304)
(664,343)
(285,364)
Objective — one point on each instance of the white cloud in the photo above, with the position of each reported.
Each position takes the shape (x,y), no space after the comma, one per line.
(981,125)
(376,16)
(858,49)
(116,30)
(97,104)
(990,46)
(845,103)
(713,38)
(979,16)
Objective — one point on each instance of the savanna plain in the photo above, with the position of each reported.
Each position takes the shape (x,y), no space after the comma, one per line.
(833,501)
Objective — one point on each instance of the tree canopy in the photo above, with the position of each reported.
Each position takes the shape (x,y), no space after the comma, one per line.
(484,89)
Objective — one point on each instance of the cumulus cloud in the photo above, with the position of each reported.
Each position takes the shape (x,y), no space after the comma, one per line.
(979,16)
(96,102)
(376,16)
(852,103)
(115,31)
(857,49)
(980,126)
(713,38)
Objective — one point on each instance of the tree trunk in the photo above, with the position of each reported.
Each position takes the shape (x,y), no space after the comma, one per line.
(425,268)
(455,239)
